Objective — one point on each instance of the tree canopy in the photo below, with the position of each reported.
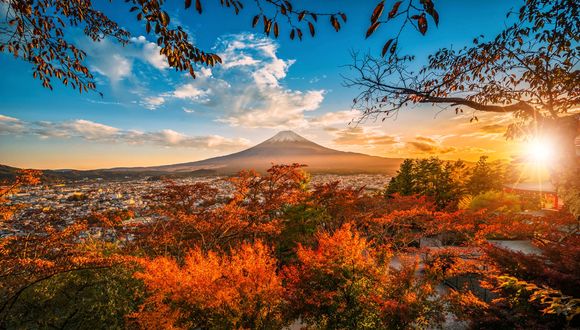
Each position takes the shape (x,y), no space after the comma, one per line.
(210,261)
(530,69)
(39,32)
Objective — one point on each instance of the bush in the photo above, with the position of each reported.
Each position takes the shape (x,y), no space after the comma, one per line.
(496,201)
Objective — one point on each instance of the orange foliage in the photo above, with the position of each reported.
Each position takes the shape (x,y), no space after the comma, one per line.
(194,216)
(346,283)
(239,290)
(46,250)
(398,202)
(24,178)
(400,230)
(351,259)
(110,219)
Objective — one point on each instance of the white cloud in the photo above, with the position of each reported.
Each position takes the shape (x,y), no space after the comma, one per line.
(430,145)
(255,56)
(91,130)
(116,61)
(239,60)
(333,118)
(247,89)
(235,50)
(261,101)
(365,137)
(80,128)
(100,133)
(189,91)
(204,72)
(280,109)
(153,102)
(10,125)
(8,119)
(115,66)
(150,53)
(270,73)
(171,138)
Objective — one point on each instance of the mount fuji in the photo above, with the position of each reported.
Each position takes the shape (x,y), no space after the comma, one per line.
(286,147)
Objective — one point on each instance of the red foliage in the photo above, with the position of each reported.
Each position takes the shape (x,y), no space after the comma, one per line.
(207,261)
(346,283)
(216,290)
(193,215)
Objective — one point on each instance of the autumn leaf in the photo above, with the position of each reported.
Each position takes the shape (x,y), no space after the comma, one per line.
(164,17)
(334,22)
(198,6)
(377,12)
(301,16)
(422,24)
(395,9)
(255,20)
(372,29)
(386,47)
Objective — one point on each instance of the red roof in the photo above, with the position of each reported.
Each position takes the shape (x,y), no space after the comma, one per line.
(545,186)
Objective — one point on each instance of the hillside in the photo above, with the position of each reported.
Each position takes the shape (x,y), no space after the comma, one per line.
(286,147)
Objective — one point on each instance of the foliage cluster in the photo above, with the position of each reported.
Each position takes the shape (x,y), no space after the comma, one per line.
(448,183)
(276,250)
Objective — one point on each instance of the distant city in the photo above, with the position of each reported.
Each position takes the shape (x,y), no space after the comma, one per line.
(80,199)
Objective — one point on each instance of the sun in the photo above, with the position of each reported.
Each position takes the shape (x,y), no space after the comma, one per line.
(540,151)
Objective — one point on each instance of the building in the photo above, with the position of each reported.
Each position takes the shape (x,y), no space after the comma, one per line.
(545,190)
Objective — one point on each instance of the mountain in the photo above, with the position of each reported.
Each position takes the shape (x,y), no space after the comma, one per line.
(286,147)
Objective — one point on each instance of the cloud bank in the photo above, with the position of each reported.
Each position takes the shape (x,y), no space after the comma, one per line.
(247,90)
(100,133)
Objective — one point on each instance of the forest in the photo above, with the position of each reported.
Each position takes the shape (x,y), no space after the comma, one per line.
(279,251)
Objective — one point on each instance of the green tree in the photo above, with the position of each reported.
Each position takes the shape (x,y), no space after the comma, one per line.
(299,226)
(84,299)
(450,184)
(484,177)
(403,182)
(440,180)
(496,201)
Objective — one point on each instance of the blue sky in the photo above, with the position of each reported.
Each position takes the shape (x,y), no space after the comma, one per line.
(151,114)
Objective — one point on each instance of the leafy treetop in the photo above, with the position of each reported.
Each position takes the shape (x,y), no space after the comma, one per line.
(39,31)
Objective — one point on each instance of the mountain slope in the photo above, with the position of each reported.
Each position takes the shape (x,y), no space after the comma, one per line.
(286,147)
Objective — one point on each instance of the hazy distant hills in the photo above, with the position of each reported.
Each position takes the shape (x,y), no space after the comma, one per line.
(9,173)
(286,147)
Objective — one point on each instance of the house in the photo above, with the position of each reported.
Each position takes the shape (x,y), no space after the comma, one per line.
(545,190)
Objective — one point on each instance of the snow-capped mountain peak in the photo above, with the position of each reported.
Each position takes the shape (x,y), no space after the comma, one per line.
(287,136)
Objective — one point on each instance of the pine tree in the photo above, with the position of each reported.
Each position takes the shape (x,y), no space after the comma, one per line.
(403,183)
(484,178)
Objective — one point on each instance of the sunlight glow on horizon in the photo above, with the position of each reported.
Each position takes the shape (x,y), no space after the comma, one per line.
(540,151)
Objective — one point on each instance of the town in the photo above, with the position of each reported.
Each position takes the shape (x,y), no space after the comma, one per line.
(77,200)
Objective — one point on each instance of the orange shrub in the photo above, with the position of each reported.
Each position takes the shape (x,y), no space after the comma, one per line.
(215,290)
